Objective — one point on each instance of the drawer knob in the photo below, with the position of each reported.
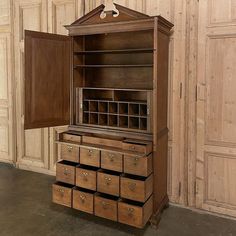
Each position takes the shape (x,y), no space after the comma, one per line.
(132,186)
(69,148)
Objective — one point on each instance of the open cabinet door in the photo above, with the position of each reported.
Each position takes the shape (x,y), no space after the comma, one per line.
(47,79)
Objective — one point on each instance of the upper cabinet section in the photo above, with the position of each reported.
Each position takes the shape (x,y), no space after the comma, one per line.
(118,20)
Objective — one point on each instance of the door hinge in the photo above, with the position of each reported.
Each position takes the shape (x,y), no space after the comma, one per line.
(200,92)
(180,90)
(180,188)
(195,188)
(196,93)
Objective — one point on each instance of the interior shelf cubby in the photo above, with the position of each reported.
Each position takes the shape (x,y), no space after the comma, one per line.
(115,108)
(123,108)
(113,120)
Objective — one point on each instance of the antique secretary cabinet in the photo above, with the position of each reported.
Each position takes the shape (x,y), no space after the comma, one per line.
(108,81)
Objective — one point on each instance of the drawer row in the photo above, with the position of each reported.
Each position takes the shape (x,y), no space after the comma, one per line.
(124,144)
(102,205)
(110,160)
(131,187)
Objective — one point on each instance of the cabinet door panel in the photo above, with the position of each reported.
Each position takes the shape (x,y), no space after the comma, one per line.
(47,79)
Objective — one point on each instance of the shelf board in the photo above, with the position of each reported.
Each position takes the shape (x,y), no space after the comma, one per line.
(117,89)
(116,101)
(112,66)
(116,51)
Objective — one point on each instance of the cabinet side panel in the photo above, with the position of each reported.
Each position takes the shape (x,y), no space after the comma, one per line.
(160,120)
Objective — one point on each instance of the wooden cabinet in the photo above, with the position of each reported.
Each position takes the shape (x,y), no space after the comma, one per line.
(107,80)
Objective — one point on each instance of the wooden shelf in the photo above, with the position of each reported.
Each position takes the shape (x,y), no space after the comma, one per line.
(112,66)
(116,51)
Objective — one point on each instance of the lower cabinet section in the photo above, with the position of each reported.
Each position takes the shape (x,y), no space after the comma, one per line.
(115,183)
(133,213)
(62,194)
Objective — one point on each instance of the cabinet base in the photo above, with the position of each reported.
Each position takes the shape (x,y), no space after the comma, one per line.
(156,217)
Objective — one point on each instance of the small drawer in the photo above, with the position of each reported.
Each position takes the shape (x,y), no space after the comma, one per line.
(112,161)
(71,137)
(108,182)
(108,141)
(62,194)
(138,165)
(136,188)
(105,206)
(83,200)
(86,177)
(137,146)
(135,214)
(70,153)
(90,156)
(65,172)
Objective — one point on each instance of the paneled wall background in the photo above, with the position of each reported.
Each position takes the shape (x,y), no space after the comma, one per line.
(202,101)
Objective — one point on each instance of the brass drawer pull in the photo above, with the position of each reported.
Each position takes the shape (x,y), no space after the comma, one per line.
(111,157)
(132,186)
(66,171)
(85,175)
(130,211)
(132,147)
(108,180)
(104,205)
(61,190)
(69,148)
(90,152)
(136,159)
(82,197)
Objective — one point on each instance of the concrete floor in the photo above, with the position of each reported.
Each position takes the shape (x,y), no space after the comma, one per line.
(26,209)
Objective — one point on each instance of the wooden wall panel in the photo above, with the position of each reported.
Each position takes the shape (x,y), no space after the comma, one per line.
(60,13)
(221,11)
(216,108)
(220,74)
(220,172)
(32,145)
(6,77)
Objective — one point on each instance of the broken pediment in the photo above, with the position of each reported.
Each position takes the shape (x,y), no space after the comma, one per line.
(102,14)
